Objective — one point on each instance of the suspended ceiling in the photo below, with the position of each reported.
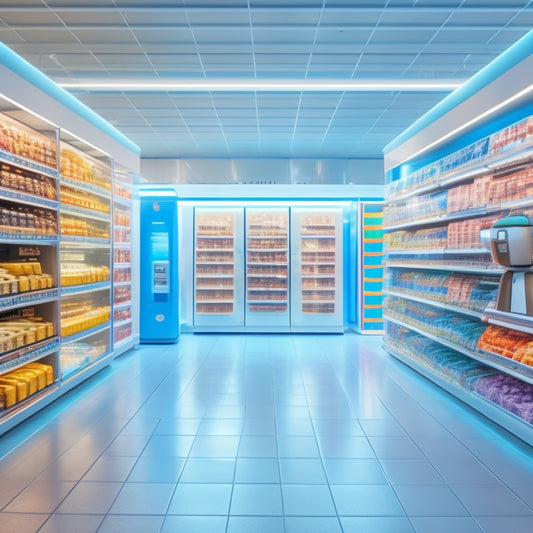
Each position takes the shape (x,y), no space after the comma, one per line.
(260,41)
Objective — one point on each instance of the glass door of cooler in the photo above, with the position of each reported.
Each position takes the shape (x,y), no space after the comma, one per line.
(316,269)
(218,267)
(267,267)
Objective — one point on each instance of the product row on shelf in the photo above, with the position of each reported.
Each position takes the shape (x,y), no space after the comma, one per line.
(483,194)
(480,154)
(442,284)
(65,291)
(468,375)
(471,292)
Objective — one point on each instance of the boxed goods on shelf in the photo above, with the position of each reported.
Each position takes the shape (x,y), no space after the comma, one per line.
(508,392)
(83,199)
(25,222)
(78,227)
(76,274)
(79,167)
(423,239)
(20,140)
(515,345)
(26,181)
(21,328)
(76,318)
(449,326)
(17,385)
(467,291)
(17,277)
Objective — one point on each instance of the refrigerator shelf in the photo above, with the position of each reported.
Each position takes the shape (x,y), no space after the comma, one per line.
(268,250)
(215,287)
(267,289)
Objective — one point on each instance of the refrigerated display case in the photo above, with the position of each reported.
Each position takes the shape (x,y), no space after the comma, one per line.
(219,267)
(267,267)
(316,269)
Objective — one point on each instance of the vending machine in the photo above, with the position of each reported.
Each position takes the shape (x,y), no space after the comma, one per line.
(159,303)
(218,268)
(317,269)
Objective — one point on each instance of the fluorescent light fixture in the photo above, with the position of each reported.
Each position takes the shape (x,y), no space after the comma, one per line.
(258,85)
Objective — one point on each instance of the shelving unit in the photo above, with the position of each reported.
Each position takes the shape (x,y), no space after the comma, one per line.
(56,161)
(370,268)
(440,281)
(29,294)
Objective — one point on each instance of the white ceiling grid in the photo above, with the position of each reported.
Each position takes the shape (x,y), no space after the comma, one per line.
(387,40)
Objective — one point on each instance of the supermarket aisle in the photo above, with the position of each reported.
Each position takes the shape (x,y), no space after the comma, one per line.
(255,433)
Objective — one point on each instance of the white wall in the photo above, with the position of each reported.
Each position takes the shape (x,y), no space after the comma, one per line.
(264,171)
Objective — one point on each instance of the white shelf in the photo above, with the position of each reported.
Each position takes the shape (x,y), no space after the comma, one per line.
(28,199)
(508,366)
(82,212)
(29,164)
(86,187)
(433,302)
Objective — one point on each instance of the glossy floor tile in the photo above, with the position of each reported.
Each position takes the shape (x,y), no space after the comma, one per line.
(262,433)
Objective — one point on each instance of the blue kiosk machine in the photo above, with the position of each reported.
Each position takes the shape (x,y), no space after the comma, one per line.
(159,298)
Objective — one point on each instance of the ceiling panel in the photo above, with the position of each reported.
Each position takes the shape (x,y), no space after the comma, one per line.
(261,40)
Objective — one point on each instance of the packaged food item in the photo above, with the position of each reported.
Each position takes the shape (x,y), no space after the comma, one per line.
(21,385)
(8,396)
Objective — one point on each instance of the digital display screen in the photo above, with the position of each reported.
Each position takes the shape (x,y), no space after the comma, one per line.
(160,246)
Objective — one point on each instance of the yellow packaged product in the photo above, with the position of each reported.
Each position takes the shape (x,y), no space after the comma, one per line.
(40,373)
(14,338)
(8,396)
(30,377)
(5,287)
(20,385)
(13,268)
(35,284)
(36,267)
(27,268)
(6,342)
(24,283)
(49,329)
(48,369)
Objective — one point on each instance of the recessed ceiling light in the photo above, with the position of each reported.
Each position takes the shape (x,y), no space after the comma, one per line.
(255,85)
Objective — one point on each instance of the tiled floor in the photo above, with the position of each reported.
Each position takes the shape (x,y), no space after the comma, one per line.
(256,433)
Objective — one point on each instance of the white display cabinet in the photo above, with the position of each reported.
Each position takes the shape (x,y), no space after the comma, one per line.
(218,267)
(316,269)
(267,267)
